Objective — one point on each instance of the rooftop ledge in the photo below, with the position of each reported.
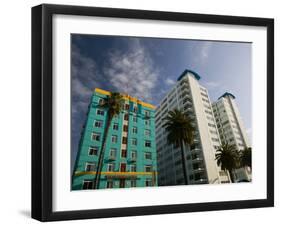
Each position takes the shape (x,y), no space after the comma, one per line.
(227,94)
(189,71)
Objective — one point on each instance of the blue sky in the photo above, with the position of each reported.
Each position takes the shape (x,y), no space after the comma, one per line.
(147,68)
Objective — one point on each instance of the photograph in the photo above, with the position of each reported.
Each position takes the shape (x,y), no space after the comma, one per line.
(148,112)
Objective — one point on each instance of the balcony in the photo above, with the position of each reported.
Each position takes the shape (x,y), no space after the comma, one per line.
(132,159)
(196,141)
(201,181)
(192,117)
(198,159)
(199,169)
(189,110)
(193,124)
(110,158)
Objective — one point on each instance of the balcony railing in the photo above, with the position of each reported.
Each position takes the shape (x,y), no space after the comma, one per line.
(198,159)
(132,159)
(110,158)
(196,150)
(199,169)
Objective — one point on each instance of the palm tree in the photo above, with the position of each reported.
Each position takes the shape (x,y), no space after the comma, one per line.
(113,104)
(227,158)
(246,157)
(180,132)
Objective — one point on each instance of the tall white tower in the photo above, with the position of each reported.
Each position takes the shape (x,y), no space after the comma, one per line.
(231,128)
(193,99)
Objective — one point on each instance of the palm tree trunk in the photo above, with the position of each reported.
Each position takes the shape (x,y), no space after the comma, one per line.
(101,156)
(183,164)
(231,176)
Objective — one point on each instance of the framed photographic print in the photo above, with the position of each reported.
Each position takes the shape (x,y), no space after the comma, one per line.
(137,112)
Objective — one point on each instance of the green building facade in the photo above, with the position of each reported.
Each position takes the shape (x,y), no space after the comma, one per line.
(130,149)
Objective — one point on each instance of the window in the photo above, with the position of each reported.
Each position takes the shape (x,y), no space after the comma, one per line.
(110,167)
(98,123)
(133,183)
(90,166)
(147,143)
(226,122)
(126,117)
(124,140)
(147,155)
(115,126)
(205,100)
(147,122)
(135,130)
(148,168)
(135,119)
(215,139)
(147,132)
(109,184)
(96,136)
(87,184)
(112,152)
(146,113)
(114,139)
(133,154)
(100,112)
(207,106)
(134,168)
(101,101)
(93,151)
(203,89)
(148,182)
(208,112)
(134,141)
(125,128)
(135,109)
(211,125)
(203,94)
(126,106)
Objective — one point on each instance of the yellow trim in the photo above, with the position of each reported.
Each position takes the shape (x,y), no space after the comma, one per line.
(78,173)
(126,97)
(101,91)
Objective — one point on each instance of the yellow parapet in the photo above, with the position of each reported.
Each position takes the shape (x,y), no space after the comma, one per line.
(126,97)
(101,91)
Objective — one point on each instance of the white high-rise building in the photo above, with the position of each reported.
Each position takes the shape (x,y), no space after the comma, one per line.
(231,128)
(193,99)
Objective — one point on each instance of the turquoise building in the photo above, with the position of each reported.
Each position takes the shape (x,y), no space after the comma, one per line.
(130,149)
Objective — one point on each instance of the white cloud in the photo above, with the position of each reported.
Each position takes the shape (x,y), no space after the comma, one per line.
(200,52)
(132,71)
(205,50)
(170,82)
(212,85)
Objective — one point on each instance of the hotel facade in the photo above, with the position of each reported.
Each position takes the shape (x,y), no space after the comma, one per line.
(193,99)
(130,148)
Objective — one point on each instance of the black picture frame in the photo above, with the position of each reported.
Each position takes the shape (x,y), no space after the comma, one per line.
(42,107)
